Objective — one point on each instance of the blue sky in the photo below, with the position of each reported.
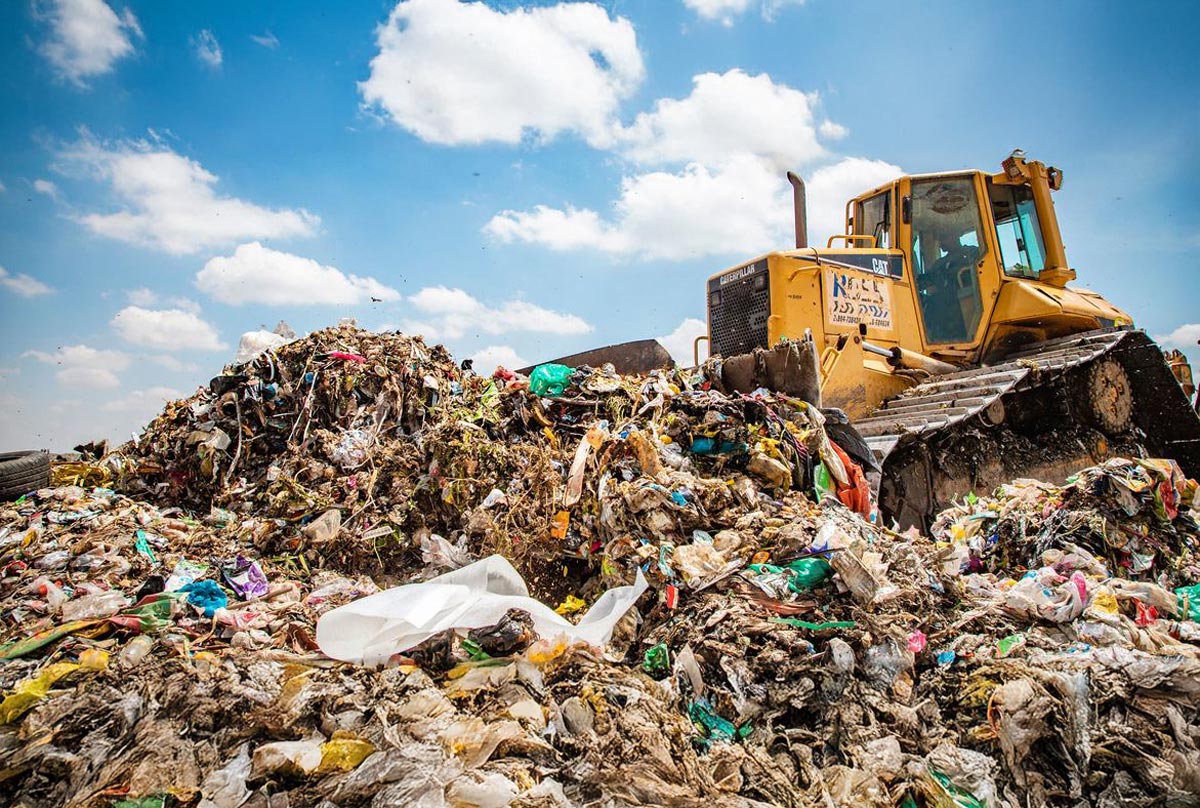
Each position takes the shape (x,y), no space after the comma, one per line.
(525,179)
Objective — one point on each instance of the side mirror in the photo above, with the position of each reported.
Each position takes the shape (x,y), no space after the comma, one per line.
(906,209)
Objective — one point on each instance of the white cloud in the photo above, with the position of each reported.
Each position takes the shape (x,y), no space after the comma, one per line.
(142,296)
(680,342)
(169,329)
(831,186)
(46,188)
(207,48)
(493,356)
(81,366)
(143,403)
(258,274)
(832,131)
(450,313)
(22,284)
(1184,337)
(740,209)
(464,73)
(148,297)
(170,200)
(3,188)
(724,11)
(87,37)
(727,114)
(266,39)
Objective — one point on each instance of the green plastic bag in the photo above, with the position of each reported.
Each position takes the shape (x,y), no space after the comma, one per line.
(657,661)
(550,379)
(808,573)
(713,726)
(823,483)
(1188,600)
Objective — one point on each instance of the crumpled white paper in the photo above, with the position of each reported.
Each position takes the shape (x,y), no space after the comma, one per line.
(370,630)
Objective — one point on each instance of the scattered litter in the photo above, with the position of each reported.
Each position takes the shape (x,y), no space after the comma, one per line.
(350,572)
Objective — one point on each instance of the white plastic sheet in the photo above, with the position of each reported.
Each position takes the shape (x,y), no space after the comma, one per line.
(369,631)
(253,343)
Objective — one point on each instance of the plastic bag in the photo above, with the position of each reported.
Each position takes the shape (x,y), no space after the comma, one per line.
(550,379)
(1188,602)
(90,607)
(369,631)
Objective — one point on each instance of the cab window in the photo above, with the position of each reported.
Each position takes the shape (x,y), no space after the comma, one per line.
(1018,230)
(946,248)
(873,218)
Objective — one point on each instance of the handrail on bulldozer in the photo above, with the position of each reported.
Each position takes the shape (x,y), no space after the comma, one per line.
(852,237)
(696,348)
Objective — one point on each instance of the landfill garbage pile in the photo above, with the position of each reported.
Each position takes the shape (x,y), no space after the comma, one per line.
(396,582)
(384,452)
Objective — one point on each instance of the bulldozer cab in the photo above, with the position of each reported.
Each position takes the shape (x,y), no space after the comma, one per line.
(965,236)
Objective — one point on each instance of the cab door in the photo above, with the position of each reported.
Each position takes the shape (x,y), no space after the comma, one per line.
(946,235)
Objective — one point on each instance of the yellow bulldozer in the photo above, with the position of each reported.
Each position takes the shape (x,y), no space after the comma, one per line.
(942,325)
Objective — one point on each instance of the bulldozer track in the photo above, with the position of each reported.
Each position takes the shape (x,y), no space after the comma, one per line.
(967,420)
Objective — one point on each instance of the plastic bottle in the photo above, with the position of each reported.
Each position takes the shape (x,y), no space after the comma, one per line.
(90,607)
(135,651)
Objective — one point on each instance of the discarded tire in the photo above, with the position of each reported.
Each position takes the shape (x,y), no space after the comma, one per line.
(22,472)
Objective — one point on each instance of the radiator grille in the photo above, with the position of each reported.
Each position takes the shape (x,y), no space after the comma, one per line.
(738,310)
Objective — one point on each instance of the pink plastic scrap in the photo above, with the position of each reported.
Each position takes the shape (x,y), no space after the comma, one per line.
(349,357)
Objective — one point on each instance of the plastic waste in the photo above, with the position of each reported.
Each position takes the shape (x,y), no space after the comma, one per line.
(134,652)
(90,607)
(246,578)
(206,596)
(825,626)
(151,801)
(288,757)
(29,692)
(657,661)
(712,726)
(1188,602)
(353,449)
(369,631)
(253,343)
(324,528)
(823,482)
(1043,593)
(344,752)
(808,573)
(550,379)
(226,787)
(184,573)
(52,592)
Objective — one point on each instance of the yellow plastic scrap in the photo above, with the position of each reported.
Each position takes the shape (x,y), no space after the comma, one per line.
(544,651)
(1104,603)
(29,692)
(561,522)
(344,752)
(979,691)
(94,659)
(571,605)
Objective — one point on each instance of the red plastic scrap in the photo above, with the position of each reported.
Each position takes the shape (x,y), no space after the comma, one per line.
(1145,614)
(349,357)
(857,494)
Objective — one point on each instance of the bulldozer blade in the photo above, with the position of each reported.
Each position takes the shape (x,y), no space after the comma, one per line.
(639,356)
(791,367)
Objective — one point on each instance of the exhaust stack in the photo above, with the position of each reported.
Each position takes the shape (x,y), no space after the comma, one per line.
(801,207)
